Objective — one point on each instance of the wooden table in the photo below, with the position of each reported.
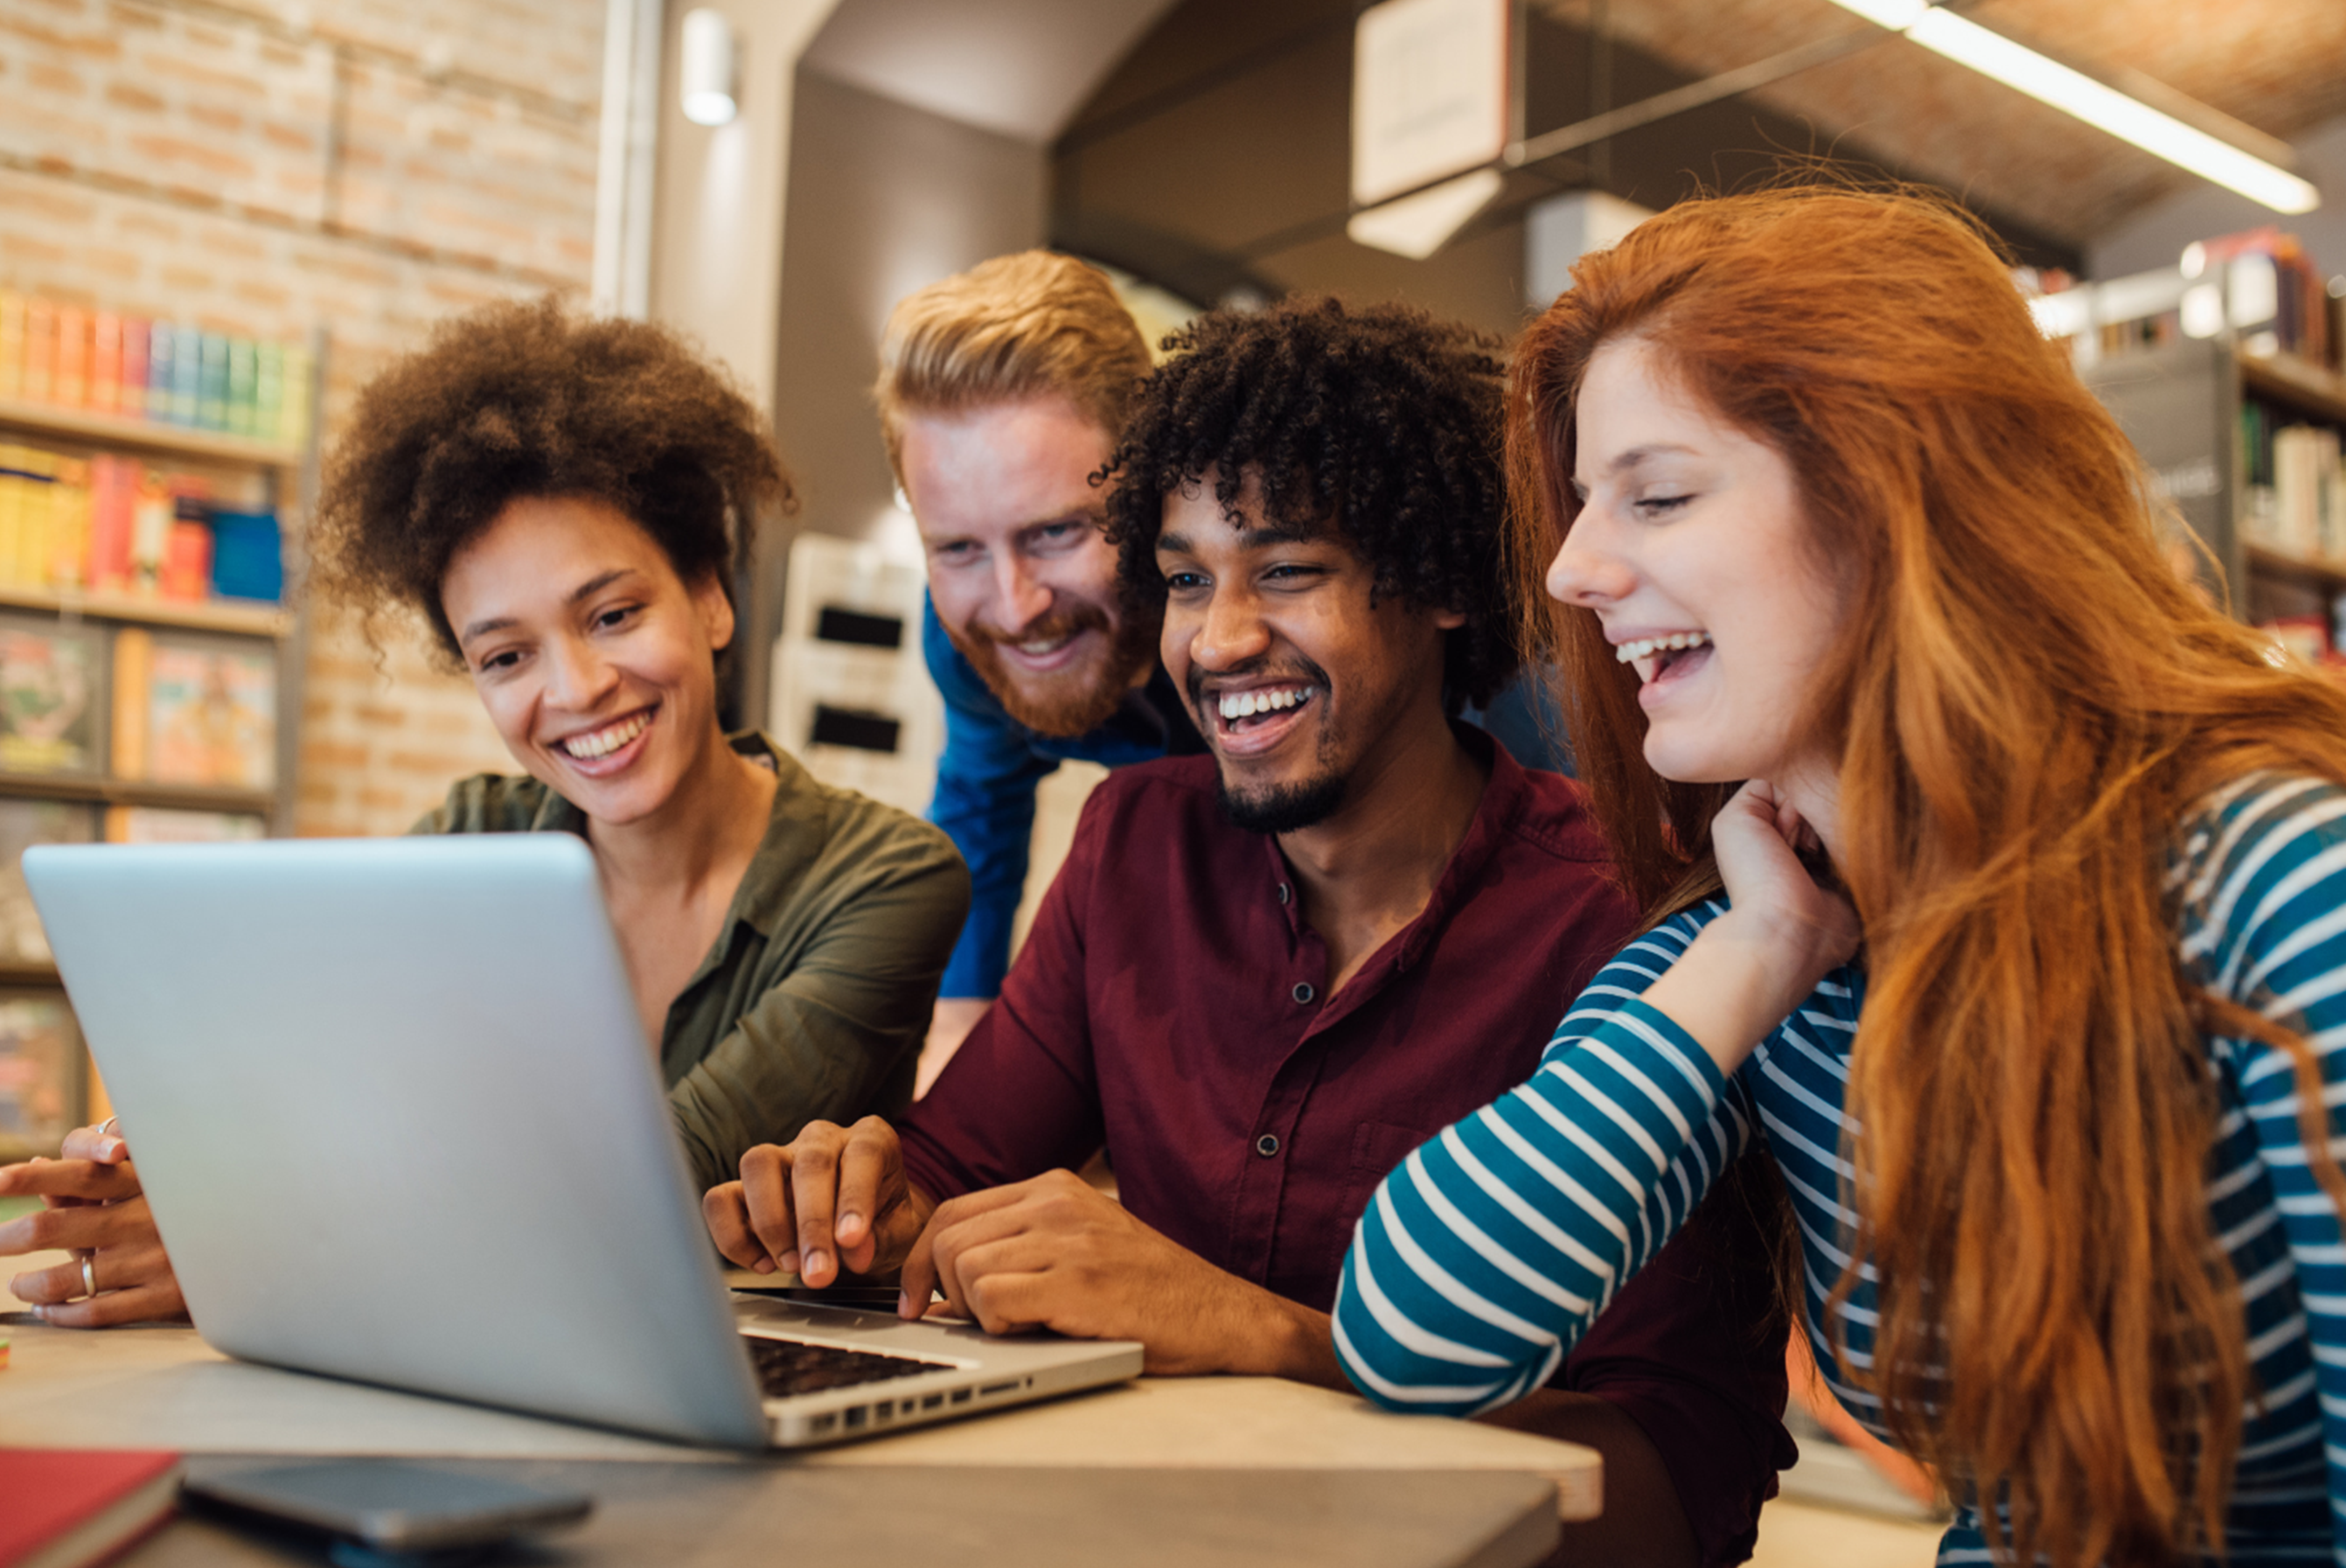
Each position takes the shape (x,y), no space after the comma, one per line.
(1163,1470)
(717,1515)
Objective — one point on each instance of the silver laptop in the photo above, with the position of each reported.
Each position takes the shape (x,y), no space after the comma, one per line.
(398,1122)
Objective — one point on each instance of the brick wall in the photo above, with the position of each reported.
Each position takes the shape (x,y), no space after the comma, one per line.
(263,169)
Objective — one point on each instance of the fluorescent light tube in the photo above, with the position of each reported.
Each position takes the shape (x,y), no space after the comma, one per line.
(2017,66)
(1895,14)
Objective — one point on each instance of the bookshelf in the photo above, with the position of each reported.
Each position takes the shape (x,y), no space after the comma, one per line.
(87,427)
(2181,403)
(128,776)
(249,618)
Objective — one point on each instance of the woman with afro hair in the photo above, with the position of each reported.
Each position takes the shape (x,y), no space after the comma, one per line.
(559,498)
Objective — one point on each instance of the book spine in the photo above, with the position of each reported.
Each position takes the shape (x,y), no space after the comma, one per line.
(188,560)
(132,395)
(294,425)
(12,343)
(32,530)
(134,658)
(2322,471)
(25,561)
(150,528)
(212,387)
(66,564)
(187,374)
(242,377)
(71,386)
(14,486)
(105,362)
(40,349)
(162,370)
(114,487)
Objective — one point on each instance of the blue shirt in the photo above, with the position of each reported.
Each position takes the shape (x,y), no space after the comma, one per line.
(1486,1254)
(985,789)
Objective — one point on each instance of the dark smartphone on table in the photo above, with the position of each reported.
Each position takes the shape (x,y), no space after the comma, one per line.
(390,1506)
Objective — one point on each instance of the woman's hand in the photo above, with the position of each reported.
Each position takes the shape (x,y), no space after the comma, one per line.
(93,1207)
(1747,971)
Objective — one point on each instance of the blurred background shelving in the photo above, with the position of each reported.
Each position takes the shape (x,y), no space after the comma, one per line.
(147,692)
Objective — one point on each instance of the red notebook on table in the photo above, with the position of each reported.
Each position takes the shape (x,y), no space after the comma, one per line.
(67,1507)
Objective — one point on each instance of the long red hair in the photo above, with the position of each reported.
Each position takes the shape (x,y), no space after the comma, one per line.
(2025,703)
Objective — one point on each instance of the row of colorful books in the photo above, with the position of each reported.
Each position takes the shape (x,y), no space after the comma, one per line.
(2261,285)
(116,524)
(2276,294)
(79,701)
(174,372)
(2297,485)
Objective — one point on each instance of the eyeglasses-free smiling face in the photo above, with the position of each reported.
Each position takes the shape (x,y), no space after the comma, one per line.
(1298,682)
(1692,546)
(1023,581)
(595,660)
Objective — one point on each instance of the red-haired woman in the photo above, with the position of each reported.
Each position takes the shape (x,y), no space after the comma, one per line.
(2000,891)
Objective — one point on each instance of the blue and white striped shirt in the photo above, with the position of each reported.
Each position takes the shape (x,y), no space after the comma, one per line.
(1488,1251)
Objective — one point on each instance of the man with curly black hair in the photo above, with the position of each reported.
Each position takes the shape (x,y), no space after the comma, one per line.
(1264,975)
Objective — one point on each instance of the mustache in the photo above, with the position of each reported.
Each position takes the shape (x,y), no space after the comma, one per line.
(1060,621)
(1304,670)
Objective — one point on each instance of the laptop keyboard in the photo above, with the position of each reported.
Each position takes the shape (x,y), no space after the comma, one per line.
(786,1367)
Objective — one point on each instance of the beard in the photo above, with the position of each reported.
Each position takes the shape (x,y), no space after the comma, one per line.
(1284,808)
(1072,701)
(1275,809)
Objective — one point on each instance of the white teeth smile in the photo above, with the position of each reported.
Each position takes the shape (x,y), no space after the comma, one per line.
(1246,704)
(604,741)
(1038,648)
(1646,648)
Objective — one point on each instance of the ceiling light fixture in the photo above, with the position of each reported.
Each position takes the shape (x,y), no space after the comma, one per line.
(1965,42)
(707,70)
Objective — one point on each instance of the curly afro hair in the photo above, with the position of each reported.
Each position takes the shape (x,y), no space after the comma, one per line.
(1381,418)
(522,400)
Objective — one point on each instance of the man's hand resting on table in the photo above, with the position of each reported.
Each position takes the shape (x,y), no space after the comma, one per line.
(1055,1252)
(91,1203)
(1050,1253)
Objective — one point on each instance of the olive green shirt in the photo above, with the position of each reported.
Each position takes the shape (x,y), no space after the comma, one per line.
(815,998)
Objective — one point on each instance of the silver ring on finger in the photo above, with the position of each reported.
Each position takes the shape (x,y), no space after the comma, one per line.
(106,1126)
(88,1276)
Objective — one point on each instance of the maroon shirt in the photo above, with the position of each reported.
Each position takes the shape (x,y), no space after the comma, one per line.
(1169,1004)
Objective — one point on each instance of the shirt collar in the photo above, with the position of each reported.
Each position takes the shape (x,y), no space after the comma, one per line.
(794,835)
(1506,791)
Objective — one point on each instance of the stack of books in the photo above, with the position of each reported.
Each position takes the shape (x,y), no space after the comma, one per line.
(173,372)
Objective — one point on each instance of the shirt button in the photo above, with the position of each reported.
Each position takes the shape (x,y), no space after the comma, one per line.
(1267,1146)
(1302,992)
(1285,892)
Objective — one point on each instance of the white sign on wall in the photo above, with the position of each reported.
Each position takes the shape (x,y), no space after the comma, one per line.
(1429,92)
(852,696)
